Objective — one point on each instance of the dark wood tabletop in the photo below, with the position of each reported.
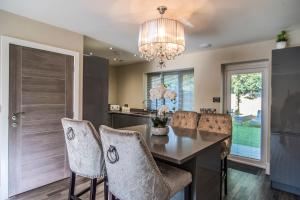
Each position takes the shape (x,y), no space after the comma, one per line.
(179,145)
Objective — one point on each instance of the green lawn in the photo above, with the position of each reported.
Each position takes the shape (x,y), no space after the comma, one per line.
(246,135)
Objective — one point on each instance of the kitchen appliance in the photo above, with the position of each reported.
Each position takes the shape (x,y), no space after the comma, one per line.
(114,108)
(285,120)
(125,109)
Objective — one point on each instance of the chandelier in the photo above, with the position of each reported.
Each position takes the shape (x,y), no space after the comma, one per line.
(161,38)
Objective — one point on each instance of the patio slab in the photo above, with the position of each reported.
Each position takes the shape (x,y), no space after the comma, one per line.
(245,151)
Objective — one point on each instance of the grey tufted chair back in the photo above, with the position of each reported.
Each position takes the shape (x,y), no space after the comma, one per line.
(217,123)
(131,170)
(184,119)
(84,148)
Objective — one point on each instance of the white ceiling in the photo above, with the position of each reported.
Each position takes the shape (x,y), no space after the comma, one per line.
(218,22)
(116,56)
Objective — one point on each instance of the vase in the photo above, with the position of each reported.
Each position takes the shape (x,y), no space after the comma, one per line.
(159,140)
(159,131)
(281,45)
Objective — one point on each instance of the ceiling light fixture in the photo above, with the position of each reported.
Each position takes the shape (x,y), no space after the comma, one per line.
(161,38)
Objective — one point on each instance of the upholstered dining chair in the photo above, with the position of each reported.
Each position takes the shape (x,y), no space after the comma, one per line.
(219,123)
(132,172)
(85,156)
(184,119)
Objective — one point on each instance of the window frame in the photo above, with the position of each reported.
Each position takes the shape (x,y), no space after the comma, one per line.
(162,75)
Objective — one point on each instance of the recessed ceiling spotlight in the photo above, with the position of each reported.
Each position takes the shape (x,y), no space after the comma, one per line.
(115,59)
(134,55)
(91,53)
(110,48)
(205,45)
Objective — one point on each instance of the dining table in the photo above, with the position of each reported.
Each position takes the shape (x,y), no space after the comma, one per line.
(192,150)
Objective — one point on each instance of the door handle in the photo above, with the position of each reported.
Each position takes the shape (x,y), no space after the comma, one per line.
(15,115)
(19,113)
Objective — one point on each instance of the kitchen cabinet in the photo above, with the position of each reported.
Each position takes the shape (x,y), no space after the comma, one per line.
(285,120)
(95,90)
(121,120)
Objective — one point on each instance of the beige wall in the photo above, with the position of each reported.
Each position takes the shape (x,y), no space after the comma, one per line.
(130,85)
(207,72)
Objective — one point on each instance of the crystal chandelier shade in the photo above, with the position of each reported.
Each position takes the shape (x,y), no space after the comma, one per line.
(161,38)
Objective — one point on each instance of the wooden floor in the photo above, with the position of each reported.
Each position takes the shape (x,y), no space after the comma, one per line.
(251,183)
(244,183)
(59,191)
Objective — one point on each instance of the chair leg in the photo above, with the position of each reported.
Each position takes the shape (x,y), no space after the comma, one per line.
(221,180)
(187,192)
(225,174)
(93,189)
(72,186)
(113,197)
(106,190)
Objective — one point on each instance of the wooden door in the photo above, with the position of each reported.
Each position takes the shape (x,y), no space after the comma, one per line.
(40,94)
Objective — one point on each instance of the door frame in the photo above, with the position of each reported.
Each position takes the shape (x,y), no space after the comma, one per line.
(256,66)
(4,97)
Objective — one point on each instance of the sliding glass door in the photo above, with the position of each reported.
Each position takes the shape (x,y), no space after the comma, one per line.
(246,102)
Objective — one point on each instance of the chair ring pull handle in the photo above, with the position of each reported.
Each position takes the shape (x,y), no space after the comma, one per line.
(70,134)
(112,154)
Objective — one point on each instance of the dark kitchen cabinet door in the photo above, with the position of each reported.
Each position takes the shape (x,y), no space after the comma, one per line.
(285,162)
(95,90)
(123,120)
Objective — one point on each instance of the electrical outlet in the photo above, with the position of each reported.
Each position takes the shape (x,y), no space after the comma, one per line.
(216,99)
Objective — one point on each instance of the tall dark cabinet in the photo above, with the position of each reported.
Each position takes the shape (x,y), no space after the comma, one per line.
(285,120)
(95,90)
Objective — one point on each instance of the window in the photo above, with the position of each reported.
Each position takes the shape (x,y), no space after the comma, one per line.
(180,81)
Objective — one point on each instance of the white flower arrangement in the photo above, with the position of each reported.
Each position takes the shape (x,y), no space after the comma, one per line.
(163,110)
(169,94)
(158,92)
(161,93)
